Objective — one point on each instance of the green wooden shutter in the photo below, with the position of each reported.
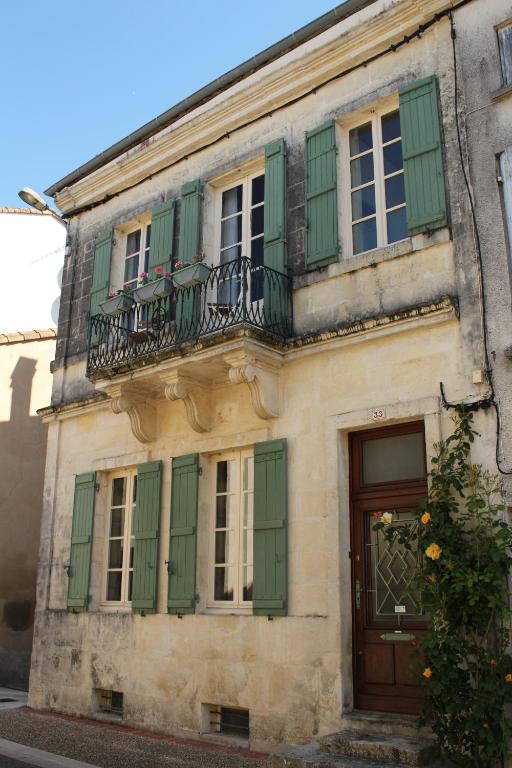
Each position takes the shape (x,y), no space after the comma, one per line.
(183,535)
(275,287)
(322,244)
(275,206)
(81,542)
(146,531)
(270,589)
(190,220)
(162,236)
(188,299)
(423,161)
(101,270)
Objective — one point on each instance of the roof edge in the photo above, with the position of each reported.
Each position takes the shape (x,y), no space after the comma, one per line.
(29,211)
(212,89)
(24,337)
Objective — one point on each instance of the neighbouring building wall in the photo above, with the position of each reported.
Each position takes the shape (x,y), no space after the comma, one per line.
(33,248)
(487,120)
(25,384)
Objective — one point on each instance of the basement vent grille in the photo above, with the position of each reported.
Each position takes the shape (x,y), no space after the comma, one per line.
(229,721)
(109,701)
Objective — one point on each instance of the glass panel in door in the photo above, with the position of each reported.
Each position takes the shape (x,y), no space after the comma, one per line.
(389,573)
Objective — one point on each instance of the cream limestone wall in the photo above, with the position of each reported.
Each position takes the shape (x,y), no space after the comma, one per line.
(292,673)
(25,385)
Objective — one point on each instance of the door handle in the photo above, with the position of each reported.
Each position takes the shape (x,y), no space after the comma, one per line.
(358,593)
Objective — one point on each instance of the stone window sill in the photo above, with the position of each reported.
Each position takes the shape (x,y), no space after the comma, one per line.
(372,258)
(226,739)
(219,611)
(110,608)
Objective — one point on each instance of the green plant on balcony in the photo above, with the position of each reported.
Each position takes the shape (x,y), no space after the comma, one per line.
(463,553)
(148,289)
(117,302)
(193,272)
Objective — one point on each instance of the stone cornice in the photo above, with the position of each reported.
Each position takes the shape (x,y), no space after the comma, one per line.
(352,40)
(438,310)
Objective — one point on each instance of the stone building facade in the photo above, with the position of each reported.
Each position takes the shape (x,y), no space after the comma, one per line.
(216,450)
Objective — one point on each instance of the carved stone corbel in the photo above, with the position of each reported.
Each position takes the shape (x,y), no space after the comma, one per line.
(262,378)
(197,405)
(142,413)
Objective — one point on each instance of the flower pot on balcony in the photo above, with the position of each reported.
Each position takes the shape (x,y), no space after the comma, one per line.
(192,274)
(116,305)
(156,289)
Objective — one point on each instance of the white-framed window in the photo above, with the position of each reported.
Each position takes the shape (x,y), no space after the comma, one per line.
(373,169)
(505,45)
(122,500)
(136,255)
(230,561)
(240,233)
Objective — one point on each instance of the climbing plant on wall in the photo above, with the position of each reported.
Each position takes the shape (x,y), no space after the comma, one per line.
(463,553)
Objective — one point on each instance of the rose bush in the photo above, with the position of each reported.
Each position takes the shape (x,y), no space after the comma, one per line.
(463,552)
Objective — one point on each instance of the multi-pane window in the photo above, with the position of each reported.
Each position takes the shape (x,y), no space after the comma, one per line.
(505,45)
(119,571)
(231,556)
(377,191)
(241,234)
(137,255)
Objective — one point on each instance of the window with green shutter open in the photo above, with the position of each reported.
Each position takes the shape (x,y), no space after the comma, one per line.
(374,181)
(391,170)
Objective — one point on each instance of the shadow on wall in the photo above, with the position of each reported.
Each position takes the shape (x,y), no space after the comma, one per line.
(22,462)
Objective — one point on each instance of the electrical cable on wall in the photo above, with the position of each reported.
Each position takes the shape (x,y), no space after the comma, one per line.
(490,401)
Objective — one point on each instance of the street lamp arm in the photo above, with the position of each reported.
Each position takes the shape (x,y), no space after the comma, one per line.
(32,198)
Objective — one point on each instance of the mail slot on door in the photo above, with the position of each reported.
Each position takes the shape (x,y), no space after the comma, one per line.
(400,637)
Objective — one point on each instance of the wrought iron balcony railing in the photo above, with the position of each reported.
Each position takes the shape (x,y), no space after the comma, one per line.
(234,294)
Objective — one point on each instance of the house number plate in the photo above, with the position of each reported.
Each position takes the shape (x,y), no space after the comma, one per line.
(378,414)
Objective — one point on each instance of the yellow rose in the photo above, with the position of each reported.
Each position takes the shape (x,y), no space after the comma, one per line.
(427,672)
(433,551)
(508,678)
(425,518)
(387,518)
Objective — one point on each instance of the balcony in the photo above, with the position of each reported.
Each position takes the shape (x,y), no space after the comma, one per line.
(236,294)
(229,329)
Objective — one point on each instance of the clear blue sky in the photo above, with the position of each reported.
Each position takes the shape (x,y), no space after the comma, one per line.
(78,76)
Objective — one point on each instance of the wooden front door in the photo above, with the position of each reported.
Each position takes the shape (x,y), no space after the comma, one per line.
(387,474)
